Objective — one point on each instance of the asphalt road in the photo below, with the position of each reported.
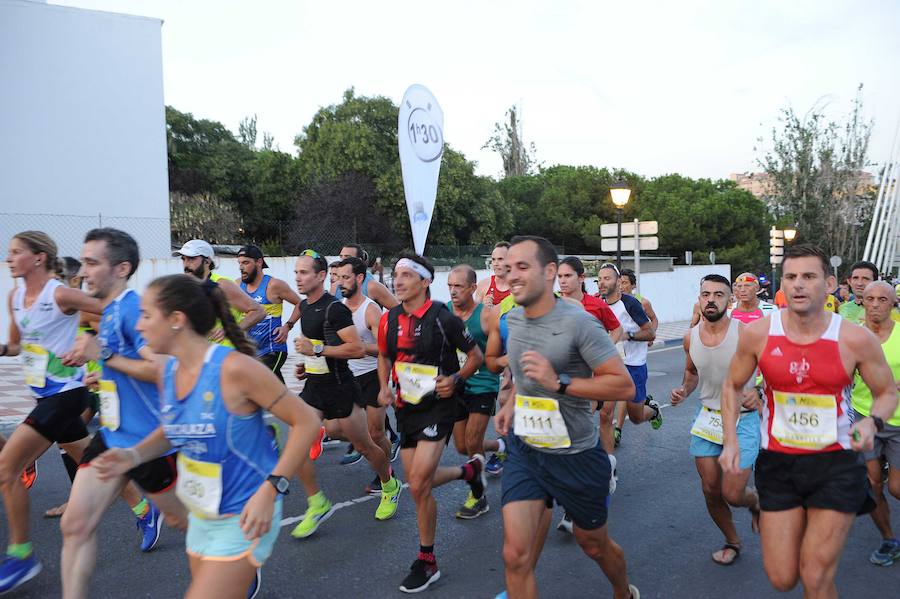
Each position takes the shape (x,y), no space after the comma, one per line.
(657,515)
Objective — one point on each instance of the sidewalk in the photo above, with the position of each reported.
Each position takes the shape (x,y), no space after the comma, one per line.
(671,333)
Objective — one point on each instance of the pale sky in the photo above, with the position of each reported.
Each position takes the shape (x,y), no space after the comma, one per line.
(654,87)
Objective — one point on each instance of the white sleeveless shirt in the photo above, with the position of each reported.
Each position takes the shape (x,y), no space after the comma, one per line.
(360,366)
(712,363)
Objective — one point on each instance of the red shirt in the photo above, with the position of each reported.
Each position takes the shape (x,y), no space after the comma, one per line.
(495,293)
(746,317)
(600,310)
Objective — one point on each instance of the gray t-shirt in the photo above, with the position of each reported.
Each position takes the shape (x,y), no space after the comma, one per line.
(575,343)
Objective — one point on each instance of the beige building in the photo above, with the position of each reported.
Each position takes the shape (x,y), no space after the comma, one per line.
(759,183)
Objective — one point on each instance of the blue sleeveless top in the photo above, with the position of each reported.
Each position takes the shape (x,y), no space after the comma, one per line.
(202,429)
(263,332)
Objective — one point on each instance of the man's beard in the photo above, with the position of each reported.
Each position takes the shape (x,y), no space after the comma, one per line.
(250,276)
(349,291)
(197,272)
(715,317)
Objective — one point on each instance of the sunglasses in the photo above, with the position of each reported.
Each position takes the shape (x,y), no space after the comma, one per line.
(610,265)
(311,253)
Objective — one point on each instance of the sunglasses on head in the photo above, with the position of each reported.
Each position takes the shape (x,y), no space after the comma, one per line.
(610,265)
(311,253)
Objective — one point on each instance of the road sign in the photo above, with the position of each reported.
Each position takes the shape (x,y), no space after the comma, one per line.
(776,251)
(712,257)
(647,227)
(776,260)
(776,242)
(776,233)
(835,261)
(648,244)
(689,257)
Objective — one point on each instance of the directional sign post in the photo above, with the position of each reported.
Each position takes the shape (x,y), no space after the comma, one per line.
(636,236)
(835,262)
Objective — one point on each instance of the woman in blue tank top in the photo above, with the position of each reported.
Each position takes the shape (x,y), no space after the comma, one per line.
(230,476)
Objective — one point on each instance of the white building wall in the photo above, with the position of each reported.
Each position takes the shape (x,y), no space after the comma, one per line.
(82,124)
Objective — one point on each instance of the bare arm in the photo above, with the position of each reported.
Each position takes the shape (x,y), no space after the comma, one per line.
(373,319)
(646,333)
(610,380)
(351,348)
(494,357)
(280,292)
(237,299)
(648,308)
(382,295)
(689,378)
(14,341)
(877,375)
(481,289)
(72,300)
(617,334)
(751,340)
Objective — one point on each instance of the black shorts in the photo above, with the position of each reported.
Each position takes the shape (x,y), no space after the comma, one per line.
(154,476)
(832,480)
(441,431)
(58,417)
(577,481)
(369,388)
(334,400)
(274,360)
(476,403)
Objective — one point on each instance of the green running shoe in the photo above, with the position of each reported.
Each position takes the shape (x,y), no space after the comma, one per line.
(656,421)
(390,498)
(319,510)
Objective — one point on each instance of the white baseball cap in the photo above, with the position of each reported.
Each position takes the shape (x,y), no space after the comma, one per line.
(196,247)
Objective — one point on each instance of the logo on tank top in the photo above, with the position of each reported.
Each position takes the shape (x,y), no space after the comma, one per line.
(258,299)
(800,370)
(207,413)
(776,352)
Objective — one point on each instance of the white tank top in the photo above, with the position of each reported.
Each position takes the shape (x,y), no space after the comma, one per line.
(712,364)
(360,366)
(46,333)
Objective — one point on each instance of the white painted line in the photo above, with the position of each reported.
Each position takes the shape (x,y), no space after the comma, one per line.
(336,507)
(670,348)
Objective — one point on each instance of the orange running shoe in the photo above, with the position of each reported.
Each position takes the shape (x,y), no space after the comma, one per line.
(29,475)
(315,450)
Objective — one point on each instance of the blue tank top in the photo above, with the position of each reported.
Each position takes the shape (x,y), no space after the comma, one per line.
(129,408)
(202,429)
(263,332)
(365,287)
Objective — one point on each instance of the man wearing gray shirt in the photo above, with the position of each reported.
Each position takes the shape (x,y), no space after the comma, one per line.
(562,362)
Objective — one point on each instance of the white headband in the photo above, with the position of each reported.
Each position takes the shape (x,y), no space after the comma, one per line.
(413,266)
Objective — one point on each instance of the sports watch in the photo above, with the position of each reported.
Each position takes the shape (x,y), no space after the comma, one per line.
(879,423)
(106,353)
(280,483)
(318,348)
(564,381)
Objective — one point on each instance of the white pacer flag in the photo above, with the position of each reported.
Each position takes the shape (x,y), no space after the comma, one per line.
(420,135)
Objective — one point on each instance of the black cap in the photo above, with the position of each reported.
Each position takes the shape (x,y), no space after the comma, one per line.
(252,251)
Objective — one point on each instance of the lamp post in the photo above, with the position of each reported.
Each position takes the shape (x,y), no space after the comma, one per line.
(620,193)
(779,238)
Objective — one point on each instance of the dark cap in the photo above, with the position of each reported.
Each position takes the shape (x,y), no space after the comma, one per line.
(252,251)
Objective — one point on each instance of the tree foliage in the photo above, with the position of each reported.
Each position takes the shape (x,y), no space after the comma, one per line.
(518,157)
(814,167)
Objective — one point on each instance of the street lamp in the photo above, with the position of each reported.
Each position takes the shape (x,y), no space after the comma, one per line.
(789,234)
(620,192)
(778,238)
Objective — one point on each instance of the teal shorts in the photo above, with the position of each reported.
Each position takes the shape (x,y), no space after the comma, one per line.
(748,441)
(223,540)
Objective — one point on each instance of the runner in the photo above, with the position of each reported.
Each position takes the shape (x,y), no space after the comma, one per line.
(370,288)
(495,289)
(479,397)
(878,299)
(709,348)
(43,315)
(366,316)
(129,411)
(198,259)
(627,284)
(861,274)
(638,332)
(329,339)
(270,334)
(562,362)
(229,475)
(811,483)
(417,345)
(749,307)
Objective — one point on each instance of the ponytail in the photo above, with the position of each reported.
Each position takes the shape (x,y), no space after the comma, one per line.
(233,332)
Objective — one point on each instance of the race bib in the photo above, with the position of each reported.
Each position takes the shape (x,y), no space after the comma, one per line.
(708,425)
(109,405)
(316,364)
(804,420)
(539,422)
(461,358)
(34,361)
(199,486)
(416,380)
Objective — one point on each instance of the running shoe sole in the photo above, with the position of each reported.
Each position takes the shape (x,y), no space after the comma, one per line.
(434,578)
(31,574)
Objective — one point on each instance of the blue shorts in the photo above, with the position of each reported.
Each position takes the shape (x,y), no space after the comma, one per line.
(579,482)
(223,540)
(748,441)
(639,376)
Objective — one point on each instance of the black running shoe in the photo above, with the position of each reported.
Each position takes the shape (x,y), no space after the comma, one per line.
(421,574)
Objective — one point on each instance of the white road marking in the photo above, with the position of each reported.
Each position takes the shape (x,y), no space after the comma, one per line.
(336,507)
